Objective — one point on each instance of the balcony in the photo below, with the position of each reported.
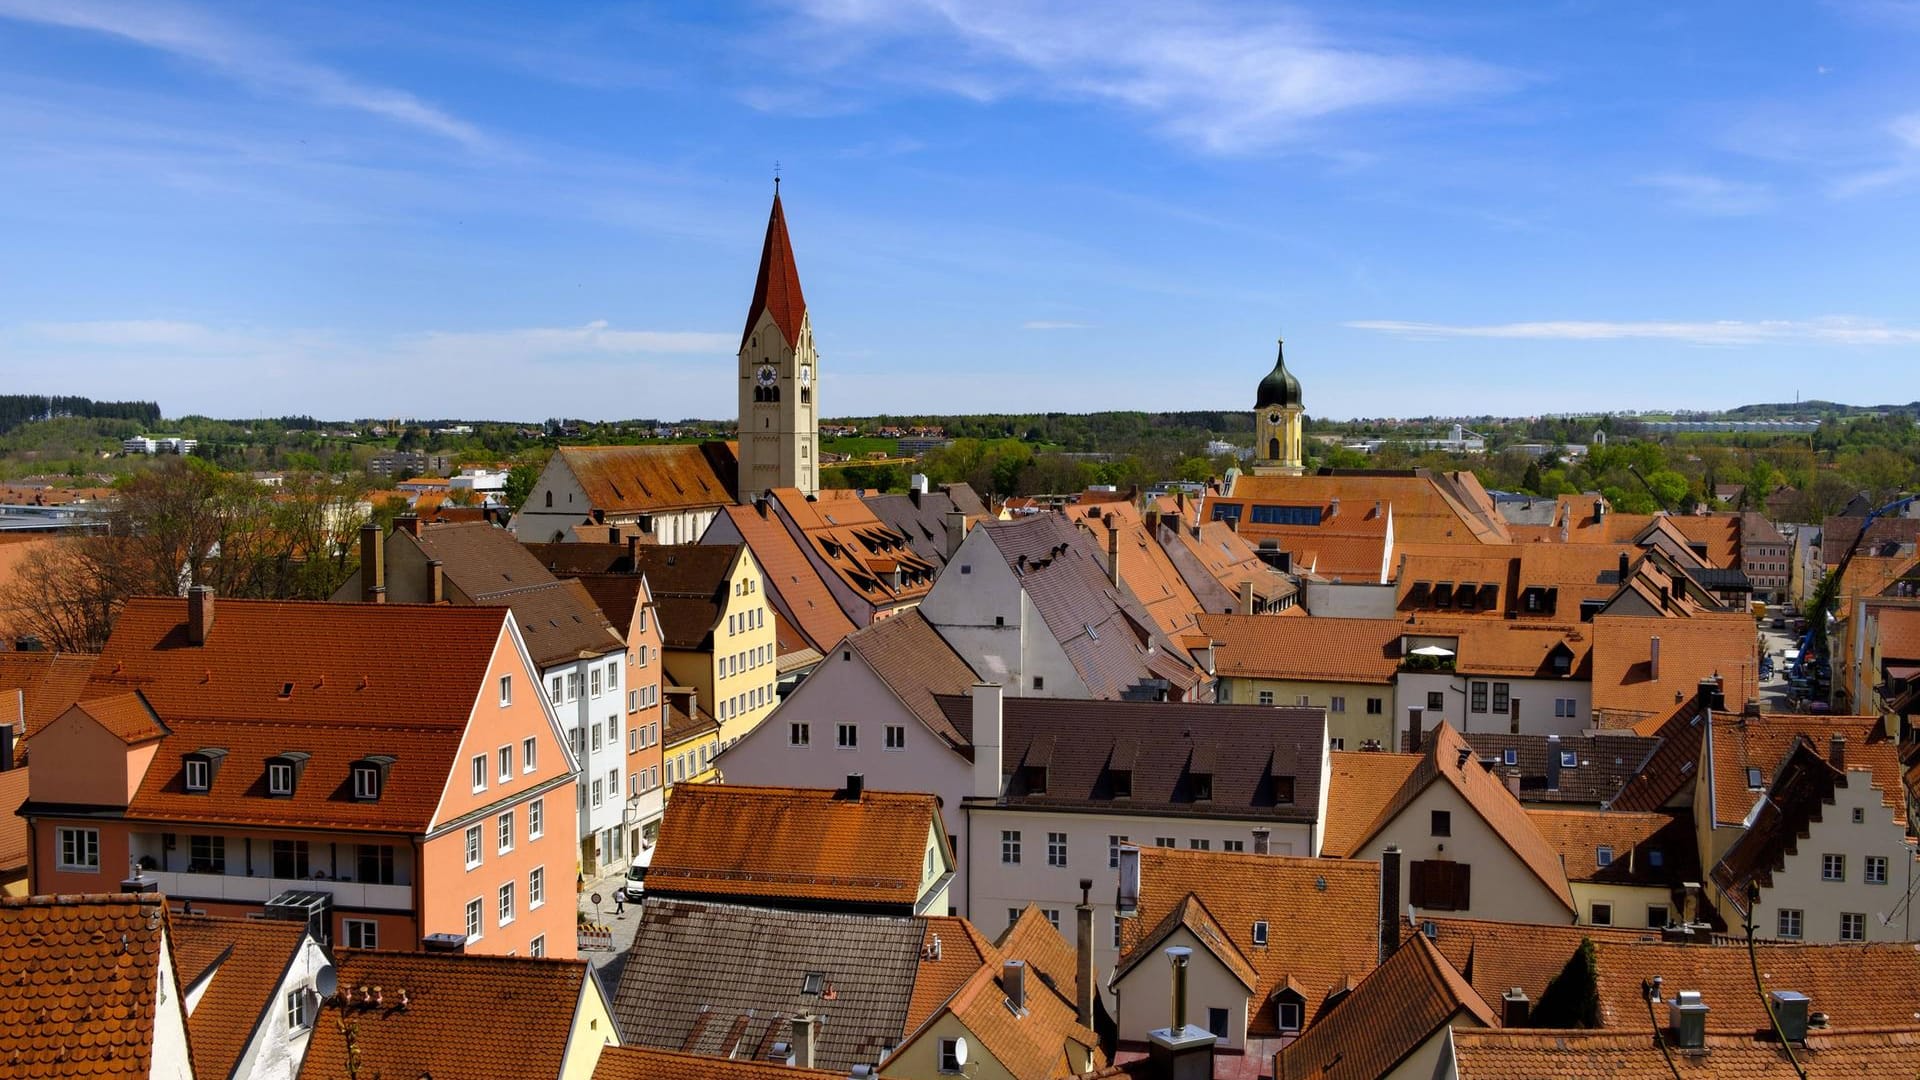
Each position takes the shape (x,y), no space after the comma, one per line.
(236,889)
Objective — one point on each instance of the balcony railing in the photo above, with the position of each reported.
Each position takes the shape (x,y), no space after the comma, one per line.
(234,888)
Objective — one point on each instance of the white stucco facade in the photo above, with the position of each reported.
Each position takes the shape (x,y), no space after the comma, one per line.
(980,609)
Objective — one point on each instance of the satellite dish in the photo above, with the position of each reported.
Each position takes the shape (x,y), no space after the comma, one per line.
(326,981)
(960,1051)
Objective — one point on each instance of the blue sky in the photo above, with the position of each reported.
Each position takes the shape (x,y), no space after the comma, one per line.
(526,210)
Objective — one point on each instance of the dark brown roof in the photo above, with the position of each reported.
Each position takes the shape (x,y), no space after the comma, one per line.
(922,519)
(78,998)
(1607,761)
(1795,794)
(559,622)
(914,662)
(1105,634)
(574,559)
(640,1063)
(1838,533)
(1644,848)
(467,1015)
(689,583)
(776,290)
(1249,755)
(1668,772)
(246,960)
(615,594)
(723,979)
(479,558)
(1394,1010)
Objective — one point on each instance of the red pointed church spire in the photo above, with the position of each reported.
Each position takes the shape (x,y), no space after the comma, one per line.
(777,289)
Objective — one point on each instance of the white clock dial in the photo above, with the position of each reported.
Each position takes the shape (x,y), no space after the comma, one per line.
(768,376)
(806,375)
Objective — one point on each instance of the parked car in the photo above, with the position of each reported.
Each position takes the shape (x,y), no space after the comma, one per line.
(635,887)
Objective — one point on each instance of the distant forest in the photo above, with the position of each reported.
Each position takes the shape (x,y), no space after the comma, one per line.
(17,409)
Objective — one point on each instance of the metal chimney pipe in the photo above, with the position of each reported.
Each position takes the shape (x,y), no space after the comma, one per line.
(1178,956)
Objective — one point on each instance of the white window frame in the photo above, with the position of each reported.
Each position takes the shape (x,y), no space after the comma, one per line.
(1859,921)
(300,1009)
(847,737)
(1833,867)
(1010,847)
(360,933)
(279,779)
(1057,849)
(536,819)
(529,754)
(503,832)
(506,908)
(475,853)
(476,914)
(1875,871)
(479,772)
(366,782)
(205,769)
(536,888)
(537,948)
(506,763)
(79,850)
(1797,917)
(896,737)
(506,690)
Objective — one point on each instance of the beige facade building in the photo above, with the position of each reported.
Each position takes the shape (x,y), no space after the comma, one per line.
(779,376)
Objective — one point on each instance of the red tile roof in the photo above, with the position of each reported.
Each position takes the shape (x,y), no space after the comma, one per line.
(79,977)
(1043,1040)
(650,479)
(1393,1012)
(1741,743)
(1428,507)
(776,289)
(374,665)
(1322,917)
(246,960)
(1144,566)
(952,952)
(126,716)
(1631,838)
(795,584)
(722,841)
(13,828)
(1361,785)
(466,1016)
(1858,986)
(866,554)
(1520,1054)
(1625,686)
(48,682)
(1307,649)
(1498,956)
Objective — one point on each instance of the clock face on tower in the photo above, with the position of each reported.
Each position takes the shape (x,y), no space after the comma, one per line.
(806,375)
(1273,418)
(768,376)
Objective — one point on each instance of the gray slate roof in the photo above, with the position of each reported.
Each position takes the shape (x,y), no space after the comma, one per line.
(724,979)
(1606,763)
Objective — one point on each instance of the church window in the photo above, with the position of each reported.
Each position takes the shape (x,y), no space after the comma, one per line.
(1273,449)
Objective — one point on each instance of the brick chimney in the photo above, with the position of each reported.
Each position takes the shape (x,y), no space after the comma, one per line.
(987,725)
(1837,751)
(199,613)
(436,582)
(373,565)
(1083,989)
(1246,597)
(1389,901)
(1113,554)
(408,523)
(956,531)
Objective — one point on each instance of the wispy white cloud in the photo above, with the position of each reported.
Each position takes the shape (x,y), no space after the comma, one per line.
(249,58)
(549,344)
(1053,324)
(1831,330)
(1900,168)
(1229,79)
(1712,195)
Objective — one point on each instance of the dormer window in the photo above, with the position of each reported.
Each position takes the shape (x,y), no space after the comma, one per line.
(1122,783)
(1035,777)
(283,773)
(1202,787)
(370,777)
(1603,855)
(201,767)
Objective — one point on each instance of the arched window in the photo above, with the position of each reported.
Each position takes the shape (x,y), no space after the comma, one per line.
(1273,449)
(549,498)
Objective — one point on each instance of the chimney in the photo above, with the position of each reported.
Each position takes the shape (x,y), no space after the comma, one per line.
(987,721)
(1246,598)
(1262,841)
(856,786)
(1653,658)
(1513,785)
(1333,507)
(1113,554)
(633,553)
(1837,752)
(1710,694)
(956,531)
(1625,567)
(803,1041)
(1127,904)
(436,582)
(373,565)
(1599,509)
(1687,1015)
(1180,1052)
(6,746)
(199,614)
(1416,727)
(1514,1008)
(1013,980)
(1553,761)
(1152,518)
(1083,989)
(1389,901)
(917,486)
(409,523)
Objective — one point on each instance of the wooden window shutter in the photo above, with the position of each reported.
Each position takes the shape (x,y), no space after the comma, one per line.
(1462,889)
(1417,884)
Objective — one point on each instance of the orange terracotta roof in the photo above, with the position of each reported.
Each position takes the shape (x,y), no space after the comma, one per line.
(1631,838)
(423,759)
(952,952)
(79,995)
(467,1015)
(403,665)
(13,828)
(870,557)
(1214,552)
(776,289)
(1322,916)
(1044,1039)
(1393,1012)
(1741,743)
(1625,687)
(1899,633)
(1427,507)
(126,716)
(1512,647)
(1498,956)
(1447,758)
(1858,986)
(648,479)
(1309,649)
(1144,566)
(48,682)
(1521,1054)
(640,1063)
(735,840)
(796,586)
(245,959)
(1362,784)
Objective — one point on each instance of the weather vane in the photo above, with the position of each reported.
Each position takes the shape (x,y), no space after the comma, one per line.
(776,175)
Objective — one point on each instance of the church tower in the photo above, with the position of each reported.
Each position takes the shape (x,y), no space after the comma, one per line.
(779,375)
(1276,421)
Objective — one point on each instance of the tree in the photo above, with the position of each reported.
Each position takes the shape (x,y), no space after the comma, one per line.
(520,481)
(1572,999)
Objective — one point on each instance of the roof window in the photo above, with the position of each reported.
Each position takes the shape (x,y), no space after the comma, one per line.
(813,983)
(1260,932)
(370,777)
(283,773)
(201,767)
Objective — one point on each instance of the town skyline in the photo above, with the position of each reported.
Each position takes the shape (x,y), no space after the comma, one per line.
(363,211)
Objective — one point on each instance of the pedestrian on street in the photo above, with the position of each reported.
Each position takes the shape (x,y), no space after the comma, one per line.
(619,903)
